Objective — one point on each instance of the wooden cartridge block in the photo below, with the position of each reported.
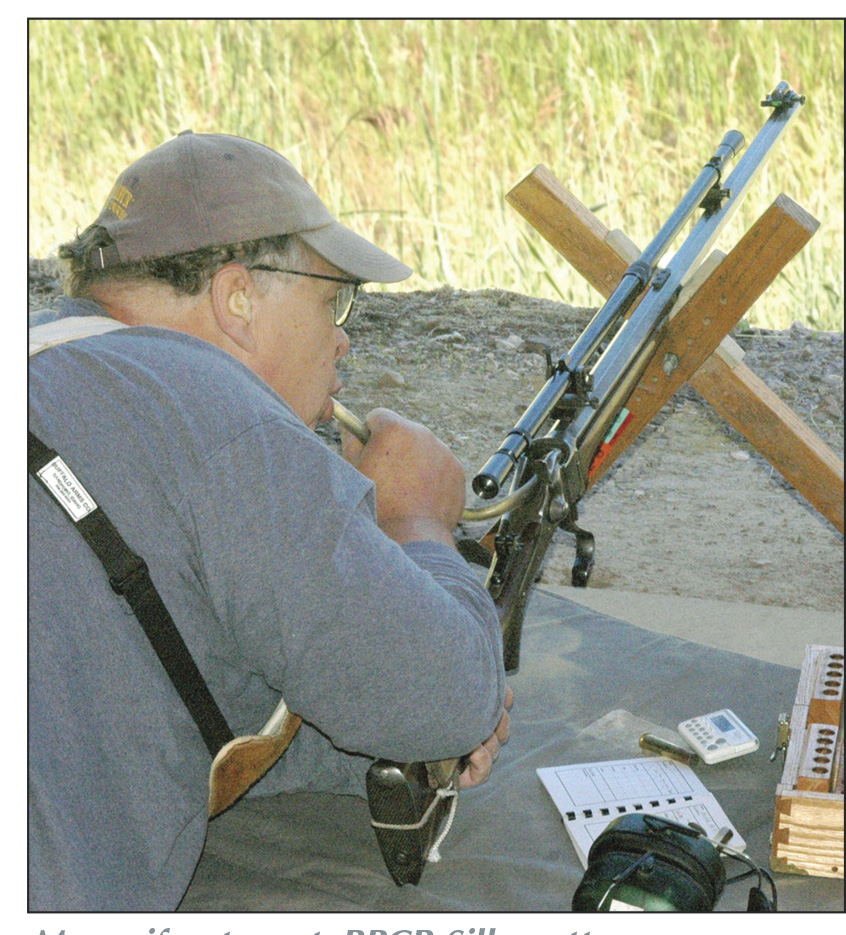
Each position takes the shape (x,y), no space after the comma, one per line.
(817,766)
(826,701)
(808,838)
(837,778)
(808,828)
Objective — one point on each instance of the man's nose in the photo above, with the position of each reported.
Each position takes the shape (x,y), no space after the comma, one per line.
(342,343)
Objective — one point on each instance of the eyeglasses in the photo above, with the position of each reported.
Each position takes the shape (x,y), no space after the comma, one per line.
(342,304)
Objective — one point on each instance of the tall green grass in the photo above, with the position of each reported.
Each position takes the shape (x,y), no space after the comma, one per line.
(413,131)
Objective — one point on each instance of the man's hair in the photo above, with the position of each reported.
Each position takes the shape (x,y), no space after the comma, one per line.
(186,273)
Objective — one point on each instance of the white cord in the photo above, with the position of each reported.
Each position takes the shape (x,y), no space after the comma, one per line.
(434,852)
(440,793)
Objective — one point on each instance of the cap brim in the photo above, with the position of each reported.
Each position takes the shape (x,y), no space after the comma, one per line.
(354,255)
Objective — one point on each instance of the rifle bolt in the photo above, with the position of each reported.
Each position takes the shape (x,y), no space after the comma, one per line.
(670,363)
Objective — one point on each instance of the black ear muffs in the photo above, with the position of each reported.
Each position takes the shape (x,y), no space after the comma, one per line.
(648,862)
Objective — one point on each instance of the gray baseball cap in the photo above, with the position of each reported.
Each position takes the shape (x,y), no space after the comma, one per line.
(209,189)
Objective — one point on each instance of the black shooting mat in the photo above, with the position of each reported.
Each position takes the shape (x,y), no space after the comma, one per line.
(508,850)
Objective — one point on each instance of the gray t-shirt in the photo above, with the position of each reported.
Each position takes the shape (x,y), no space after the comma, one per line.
(263,544)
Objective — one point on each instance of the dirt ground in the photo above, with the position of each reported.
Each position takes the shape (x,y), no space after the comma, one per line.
(691,509)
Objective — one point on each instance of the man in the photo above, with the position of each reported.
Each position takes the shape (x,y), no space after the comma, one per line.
(287,569)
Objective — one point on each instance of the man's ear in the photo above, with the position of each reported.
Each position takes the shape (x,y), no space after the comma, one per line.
(232,295)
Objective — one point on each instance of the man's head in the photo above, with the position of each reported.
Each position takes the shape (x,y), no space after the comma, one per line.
(208,190)
(222,238)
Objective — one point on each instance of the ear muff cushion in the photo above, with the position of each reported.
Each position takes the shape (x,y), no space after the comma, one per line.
(695,857)
(664,880)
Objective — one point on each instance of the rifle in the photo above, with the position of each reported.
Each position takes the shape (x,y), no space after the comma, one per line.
(552,454)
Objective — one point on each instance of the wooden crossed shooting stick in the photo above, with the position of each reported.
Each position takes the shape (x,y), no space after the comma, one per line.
(695,347)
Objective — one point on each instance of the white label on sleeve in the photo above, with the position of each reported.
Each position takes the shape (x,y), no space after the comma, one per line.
(64,486)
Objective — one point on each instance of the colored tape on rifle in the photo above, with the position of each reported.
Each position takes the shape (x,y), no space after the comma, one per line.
(611,437)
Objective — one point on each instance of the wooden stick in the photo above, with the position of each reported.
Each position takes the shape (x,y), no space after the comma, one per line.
(563,221)
(699,326)
(799,455)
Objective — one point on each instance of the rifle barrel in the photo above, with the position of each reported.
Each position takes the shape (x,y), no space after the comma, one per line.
(639,274)
(633,343)
(615,362)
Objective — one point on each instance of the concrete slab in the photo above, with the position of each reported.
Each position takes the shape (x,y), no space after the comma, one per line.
(772,634)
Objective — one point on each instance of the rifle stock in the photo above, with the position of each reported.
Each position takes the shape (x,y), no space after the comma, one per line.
(581,408)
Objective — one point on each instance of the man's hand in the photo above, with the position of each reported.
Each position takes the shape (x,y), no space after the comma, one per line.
(482,758)
(419,482)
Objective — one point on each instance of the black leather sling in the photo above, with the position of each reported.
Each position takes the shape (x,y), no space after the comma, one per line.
(129,577)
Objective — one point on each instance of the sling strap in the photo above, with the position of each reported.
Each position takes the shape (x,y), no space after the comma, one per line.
(69,329)
(129,577)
